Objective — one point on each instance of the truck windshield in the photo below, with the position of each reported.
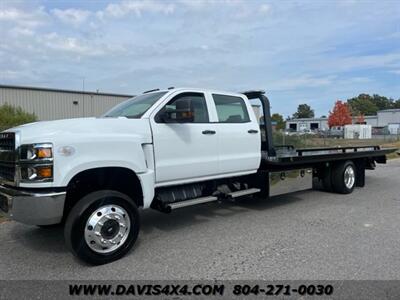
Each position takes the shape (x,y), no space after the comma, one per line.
(135,107)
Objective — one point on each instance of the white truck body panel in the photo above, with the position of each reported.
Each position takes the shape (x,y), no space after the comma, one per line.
(238,150)
(160,154)
(97,142)
(183,152)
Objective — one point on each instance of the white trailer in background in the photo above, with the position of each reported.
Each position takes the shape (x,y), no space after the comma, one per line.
(357,131)
(394,128)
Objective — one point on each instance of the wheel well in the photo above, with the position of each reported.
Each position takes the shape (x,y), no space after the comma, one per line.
(109,178)
(324,172)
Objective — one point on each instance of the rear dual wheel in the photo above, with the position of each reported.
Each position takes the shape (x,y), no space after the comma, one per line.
(102,227)
(341,178)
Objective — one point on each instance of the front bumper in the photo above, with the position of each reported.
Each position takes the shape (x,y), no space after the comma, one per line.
(35,207)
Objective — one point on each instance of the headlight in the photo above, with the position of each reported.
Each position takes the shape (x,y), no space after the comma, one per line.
(35,163)
(36,173)
(36,152)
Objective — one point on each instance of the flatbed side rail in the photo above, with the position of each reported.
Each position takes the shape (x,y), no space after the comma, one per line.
(297,161)
(288,147)
(346,149)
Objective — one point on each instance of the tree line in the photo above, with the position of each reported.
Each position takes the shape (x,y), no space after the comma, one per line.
(11,116)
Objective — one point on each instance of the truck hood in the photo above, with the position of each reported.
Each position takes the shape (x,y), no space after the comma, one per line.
(86,128)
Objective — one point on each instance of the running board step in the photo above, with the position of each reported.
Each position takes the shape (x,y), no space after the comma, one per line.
(243,192)
(180,204)
(195,201)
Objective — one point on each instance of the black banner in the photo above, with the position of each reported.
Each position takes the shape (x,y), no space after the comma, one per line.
(40,289)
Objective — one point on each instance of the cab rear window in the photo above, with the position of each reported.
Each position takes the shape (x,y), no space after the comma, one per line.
(231,109)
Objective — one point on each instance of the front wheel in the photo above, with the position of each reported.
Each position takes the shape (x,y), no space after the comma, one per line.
(102,227)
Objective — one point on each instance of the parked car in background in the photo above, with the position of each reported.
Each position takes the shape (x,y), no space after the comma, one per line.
(306,132)
(336,133)
(290,132)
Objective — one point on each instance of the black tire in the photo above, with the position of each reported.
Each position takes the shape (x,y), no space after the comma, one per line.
(80,213)
(338,177)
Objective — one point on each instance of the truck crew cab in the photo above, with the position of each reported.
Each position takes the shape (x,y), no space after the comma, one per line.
(164,149)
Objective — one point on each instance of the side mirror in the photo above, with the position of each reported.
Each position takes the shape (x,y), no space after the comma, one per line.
(177,116)
(182,113)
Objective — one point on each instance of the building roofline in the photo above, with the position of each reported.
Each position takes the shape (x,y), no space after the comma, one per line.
(389,110)
(20,87)
(308,119)
(325,119)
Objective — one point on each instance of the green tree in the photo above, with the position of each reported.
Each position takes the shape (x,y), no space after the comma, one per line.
(382,102)
(303,111)
(369,105)
(362,104)
(280,122)
(11,116)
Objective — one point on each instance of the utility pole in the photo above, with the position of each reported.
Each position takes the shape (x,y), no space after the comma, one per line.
(83,95)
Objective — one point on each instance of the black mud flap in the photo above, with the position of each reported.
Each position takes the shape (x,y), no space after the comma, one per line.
(360,172)
(381,159)
(370,164)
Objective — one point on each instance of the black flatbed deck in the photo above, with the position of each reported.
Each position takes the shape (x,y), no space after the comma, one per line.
(287,157)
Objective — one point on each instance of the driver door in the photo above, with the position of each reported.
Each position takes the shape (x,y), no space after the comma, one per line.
(184,149)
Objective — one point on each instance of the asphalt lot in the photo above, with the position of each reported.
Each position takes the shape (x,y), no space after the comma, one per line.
(305,235)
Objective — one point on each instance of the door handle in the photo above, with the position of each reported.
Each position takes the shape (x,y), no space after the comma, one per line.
(209,132)
(252,131)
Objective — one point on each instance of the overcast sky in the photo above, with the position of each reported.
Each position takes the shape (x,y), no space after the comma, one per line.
(298,51)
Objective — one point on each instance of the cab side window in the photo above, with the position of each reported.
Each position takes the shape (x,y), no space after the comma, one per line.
(231,109)
(185,108)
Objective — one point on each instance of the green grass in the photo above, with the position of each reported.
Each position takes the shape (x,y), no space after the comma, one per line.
(393,145)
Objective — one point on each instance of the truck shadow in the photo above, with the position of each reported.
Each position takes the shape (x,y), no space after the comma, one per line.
(51,240)
(206,212)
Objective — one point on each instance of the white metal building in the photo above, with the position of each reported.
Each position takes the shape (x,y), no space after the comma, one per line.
(384,118)
(388,116)
(53,104)
(307,123)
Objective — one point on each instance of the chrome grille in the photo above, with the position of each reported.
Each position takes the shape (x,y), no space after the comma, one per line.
(7,172)
(7,141)
(7,156)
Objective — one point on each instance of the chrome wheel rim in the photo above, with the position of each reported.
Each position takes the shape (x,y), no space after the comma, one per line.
(107,228)
(349,177)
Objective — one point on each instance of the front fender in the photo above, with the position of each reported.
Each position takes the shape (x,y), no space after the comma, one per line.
(97,164)
(87,156)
